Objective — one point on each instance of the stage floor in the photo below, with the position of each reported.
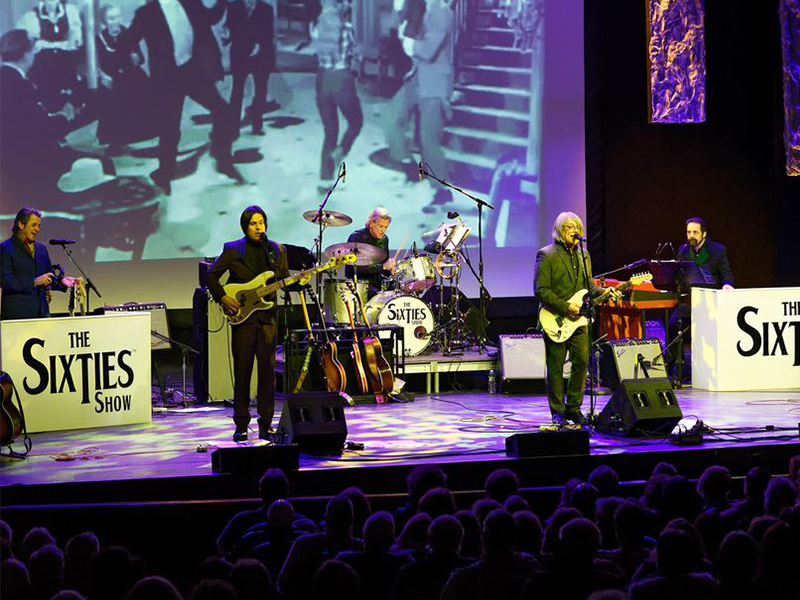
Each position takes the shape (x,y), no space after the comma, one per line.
(440,428)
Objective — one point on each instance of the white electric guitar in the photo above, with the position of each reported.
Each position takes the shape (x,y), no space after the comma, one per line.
(559,329)
(251,295)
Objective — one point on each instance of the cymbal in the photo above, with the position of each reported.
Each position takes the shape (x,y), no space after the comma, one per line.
(366,254)
(441,227)
(330,218)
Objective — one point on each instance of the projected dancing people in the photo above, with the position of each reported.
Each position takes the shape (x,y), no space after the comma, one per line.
(256,337)
(429,87)
(185,60)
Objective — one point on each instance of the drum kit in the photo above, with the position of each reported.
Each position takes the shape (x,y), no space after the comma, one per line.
(400,301)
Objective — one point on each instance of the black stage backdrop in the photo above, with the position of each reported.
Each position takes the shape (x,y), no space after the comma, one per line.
(644,180)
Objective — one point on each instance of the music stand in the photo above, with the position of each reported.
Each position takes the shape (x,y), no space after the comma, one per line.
(678,276)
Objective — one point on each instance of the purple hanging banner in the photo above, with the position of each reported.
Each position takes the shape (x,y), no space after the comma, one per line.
(676,52)
(790,42)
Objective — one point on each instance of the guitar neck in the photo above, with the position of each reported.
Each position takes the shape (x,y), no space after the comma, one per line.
(277,285)
(620,288)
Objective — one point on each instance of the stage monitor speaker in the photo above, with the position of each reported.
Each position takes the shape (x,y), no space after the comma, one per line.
(158,320)
(640,407)
(548,443)
(629,359)
(254,460)
(314,421)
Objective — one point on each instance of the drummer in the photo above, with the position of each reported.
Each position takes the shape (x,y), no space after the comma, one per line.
(375,234)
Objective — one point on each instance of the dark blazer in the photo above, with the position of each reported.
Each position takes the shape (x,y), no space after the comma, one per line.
(232,261)
(554,281)
(19,297)
(717,264)
(150,24)
(247,32)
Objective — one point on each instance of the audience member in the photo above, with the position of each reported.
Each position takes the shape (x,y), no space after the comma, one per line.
(583,497)
(46,572)
(561,517)
(413,540)
(270,542)
(111,573)
(780,493)
(712,529)
(436,502)
(737,566)
(335,579)
(515,503)
(214,567)
(251,580)
(605,480)
(752,505)
(631,524)
(714,486)
(419,480)
(213,589)
(471,543)
(606,508)
(154,588)
(482,507)
(680,499)
(361,508)
(78,554)
(758,526)
(33,540)
(500,484)
(780,555)
(529,533)
(14,580)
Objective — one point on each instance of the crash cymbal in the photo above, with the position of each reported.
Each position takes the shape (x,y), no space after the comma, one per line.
(366,254)
(330,218)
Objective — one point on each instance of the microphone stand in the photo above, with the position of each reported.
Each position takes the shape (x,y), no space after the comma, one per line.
(590,328)
(481,203)
(318,219)
(89,283)
(184,353)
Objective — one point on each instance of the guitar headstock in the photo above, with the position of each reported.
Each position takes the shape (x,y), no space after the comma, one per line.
(643,277)
(338,261)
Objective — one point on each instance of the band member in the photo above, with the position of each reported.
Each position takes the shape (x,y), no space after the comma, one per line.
(711,257)
(374,234)
(256,337)
(26,273)
(558,275)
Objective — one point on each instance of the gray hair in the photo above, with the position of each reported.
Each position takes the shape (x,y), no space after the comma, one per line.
(378,213)
(561,220)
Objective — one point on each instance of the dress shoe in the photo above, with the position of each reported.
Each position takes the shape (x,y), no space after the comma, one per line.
(576,417)
(559,420)
(227,169)
(240,435)
(265,433)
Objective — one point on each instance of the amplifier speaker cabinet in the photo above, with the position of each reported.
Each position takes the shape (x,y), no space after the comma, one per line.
(158,320)
(629,359)
(522,362)
(641,407)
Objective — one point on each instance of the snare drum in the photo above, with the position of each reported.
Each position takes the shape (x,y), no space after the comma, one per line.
(415,274)
(408,312)
(335,309)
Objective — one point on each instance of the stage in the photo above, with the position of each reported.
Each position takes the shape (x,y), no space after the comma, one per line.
(170,458)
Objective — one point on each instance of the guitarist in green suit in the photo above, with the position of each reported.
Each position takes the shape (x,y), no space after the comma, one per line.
(559,274)
(255,338)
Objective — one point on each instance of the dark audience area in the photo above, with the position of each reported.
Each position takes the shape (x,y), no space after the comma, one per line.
(712,538)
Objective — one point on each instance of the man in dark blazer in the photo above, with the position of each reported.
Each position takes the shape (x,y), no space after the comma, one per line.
(251,25)
(711,257)
(185,60)
(256,337)
(558,275)
(26,275)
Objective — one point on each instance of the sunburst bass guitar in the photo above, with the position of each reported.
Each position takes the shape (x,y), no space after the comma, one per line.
(252,295)
(560,329)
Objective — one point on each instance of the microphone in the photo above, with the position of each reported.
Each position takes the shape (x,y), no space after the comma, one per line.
(421,171)
(452,214)
(61,242)
(264,237)
(344,172)
(579,237)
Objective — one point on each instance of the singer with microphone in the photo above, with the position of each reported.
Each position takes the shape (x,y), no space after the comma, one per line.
(558,275)
(374,233)
(255,338)
(26,273)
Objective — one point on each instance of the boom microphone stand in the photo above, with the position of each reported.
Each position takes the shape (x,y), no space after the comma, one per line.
(481,204)
(341,175)
(590,326)
(184,353)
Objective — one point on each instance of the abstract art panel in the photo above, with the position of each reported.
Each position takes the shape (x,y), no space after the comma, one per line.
(677,59)
(790,41)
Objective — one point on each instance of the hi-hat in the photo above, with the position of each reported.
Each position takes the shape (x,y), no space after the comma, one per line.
(366,254)
(330,218)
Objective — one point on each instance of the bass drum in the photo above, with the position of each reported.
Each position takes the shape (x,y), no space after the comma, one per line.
(408,312)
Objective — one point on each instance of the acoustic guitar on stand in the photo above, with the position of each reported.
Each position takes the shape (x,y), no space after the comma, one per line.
(560,329)
(251,295)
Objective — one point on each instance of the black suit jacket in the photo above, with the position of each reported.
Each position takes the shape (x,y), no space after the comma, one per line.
(150,24)
(231,261)
(19,297)
(554,280)
(717,264)
(247,32)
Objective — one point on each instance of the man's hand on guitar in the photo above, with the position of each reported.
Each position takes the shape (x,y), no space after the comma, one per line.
(230,305)
(574,309)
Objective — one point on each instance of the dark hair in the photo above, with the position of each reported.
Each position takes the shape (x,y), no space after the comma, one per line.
(15,44)
(248,213)
(699,220)
(273,485)
(23,216)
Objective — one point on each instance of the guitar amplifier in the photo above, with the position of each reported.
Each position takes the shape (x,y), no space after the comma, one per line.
(620,360)
(521,361)
(158,320)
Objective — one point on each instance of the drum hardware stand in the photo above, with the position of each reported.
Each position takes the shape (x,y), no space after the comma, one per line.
(481,203)
(184,353)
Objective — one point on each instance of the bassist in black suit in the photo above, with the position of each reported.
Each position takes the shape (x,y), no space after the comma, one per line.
(256,337)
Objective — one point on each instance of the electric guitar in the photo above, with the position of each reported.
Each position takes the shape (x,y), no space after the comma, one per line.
(559,329)
(251,295)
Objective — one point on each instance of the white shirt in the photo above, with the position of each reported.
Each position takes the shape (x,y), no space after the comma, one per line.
(180,28)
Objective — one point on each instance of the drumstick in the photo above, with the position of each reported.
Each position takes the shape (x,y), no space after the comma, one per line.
(400,247)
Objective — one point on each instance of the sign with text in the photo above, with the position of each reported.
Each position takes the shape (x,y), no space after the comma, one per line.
(747,339)
(80,372)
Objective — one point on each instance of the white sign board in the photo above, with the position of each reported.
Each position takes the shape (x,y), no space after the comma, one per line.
(80,372)
(746,339)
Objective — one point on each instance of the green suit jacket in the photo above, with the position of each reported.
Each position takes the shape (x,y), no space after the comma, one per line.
(554,280)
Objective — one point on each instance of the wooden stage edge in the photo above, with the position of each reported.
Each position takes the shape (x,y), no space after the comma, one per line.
(169,459)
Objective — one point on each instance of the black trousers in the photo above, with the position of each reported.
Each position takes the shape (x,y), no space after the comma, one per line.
(336,91)
(261,74)
(555,357)
(254,341)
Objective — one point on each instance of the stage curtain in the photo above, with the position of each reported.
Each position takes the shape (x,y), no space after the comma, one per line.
(790,41)
(677,60)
